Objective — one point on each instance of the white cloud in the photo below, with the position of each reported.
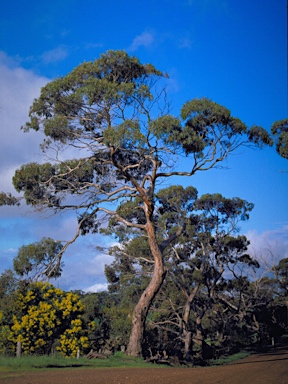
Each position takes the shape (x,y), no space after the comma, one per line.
(55,55)
(97,288)
(269,247)
(8,61)
(145,39)
(84,266)
(19,87)
(6,257)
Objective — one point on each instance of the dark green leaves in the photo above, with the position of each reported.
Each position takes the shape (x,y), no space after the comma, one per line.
(166,128)
(280,130)
(29,179)
(217,205)
(8,199)
(204,112)
(58,128)
(176,199)
(208,124)
(35,258)
(259,136)
(91,97)
(125,135)
(89,223)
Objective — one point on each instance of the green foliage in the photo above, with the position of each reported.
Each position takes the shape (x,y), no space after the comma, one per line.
(8,199)
(259,136)
(176,199)
(8,287)
(204,118)
(282,273)
(215,205)
(36,258)
(113,79)
(120,325)
(126,135)
(95,319)
(280,130)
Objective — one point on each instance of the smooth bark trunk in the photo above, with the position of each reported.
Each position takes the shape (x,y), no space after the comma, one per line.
(134,347)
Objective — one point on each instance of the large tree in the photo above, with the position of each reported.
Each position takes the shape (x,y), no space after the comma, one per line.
(112,117)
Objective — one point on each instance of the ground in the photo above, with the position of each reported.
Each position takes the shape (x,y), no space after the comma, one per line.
(267,368)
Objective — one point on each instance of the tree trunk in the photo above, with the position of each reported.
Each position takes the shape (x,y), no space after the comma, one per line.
(134,347)
(199,336)
(18,349)
(187,345)
(186,332)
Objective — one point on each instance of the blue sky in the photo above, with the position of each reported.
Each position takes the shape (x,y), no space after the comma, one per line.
(234,52)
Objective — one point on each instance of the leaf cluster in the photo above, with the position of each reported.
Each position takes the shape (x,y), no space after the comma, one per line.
(36,258)
(280,130)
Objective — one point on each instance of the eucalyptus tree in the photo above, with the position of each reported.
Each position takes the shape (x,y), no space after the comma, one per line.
(207,253)
(111,116)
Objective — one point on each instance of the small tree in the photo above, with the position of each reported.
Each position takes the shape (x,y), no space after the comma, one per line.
(125,143)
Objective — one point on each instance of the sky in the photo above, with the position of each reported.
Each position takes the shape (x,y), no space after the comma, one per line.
(233,52)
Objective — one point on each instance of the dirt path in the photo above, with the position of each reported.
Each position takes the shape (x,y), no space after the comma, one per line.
(268,368)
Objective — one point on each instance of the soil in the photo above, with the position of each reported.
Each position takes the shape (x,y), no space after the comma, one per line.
(266,368)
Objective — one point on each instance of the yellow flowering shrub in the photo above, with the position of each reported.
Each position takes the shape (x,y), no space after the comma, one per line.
(48,314)
(73,339)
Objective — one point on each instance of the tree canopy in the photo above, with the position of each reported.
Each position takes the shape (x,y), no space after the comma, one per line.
(113,141)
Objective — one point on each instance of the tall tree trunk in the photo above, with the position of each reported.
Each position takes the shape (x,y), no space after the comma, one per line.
(134,347)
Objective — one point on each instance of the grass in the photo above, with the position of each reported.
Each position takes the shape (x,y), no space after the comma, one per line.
(29,363)
(118,360)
